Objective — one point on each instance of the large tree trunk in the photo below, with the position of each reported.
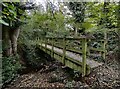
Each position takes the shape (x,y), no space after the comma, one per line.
(7,50)
(13,37)
(9,38)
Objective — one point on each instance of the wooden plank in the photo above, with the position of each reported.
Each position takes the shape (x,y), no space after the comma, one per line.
(96,49)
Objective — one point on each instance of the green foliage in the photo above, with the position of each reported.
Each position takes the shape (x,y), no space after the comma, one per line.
(95,18)
(102,14)
(3,22)
(46,21)
(59,33)
(12,14)
(92,15)
(112,41)
(32,55)
(10,66)
(44,24)
(87,25)
(78,9)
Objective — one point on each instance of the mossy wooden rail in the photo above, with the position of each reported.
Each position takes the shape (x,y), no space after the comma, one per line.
(66,54)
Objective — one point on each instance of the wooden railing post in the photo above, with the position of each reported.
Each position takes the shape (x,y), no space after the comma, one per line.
(41,43)
(84,49)
(88,50)
(52,52)
(104,45)
(101,43)
(64,50)
(45,44)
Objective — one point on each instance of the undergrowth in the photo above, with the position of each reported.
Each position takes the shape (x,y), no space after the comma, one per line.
(10,65)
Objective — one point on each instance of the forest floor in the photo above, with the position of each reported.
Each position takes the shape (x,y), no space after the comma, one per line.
(54,75)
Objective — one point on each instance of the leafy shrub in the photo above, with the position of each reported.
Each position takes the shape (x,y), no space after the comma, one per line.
(33,56)
(10,65)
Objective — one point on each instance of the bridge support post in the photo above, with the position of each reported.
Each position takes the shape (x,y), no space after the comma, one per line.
(84,48)
(88,50)
(45,45)
(104,45)
(41,43)
(64,50)
(101,52)
(52,52)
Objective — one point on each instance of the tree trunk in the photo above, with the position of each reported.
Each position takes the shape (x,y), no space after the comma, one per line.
(13,37)
(7,50)
(9,38)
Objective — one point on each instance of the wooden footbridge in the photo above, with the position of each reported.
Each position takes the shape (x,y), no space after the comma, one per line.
(74,52)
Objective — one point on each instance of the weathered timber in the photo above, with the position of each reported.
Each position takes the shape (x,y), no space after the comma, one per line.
(74,64)
(72,49)
(52,52)
(84,45)
(104,45)
(64,50)
(72,58)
